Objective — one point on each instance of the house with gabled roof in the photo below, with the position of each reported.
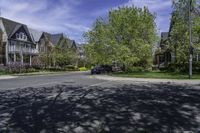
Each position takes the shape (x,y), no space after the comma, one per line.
(21,44)
(18,44)
(47,41)
(163,55)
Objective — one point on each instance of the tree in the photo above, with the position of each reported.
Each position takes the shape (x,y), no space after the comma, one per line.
(179,33)
(62,57)
(126,36)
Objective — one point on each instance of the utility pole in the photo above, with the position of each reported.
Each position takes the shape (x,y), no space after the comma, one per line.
(190,40)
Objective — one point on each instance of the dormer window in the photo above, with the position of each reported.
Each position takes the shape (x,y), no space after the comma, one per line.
(21,36)
(17,36)
(25,37)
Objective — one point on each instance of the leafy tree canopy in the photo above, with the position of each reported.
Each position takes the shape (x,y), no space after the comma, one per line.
(126,36)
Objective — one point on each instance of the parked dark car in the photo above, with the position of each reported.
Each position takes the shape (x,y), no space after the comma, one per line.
(101,69)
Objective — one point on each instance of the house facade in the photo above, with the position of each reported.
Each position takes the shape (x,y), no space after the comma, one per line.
(21,44)
(45,43)
(17,43)
(163,55)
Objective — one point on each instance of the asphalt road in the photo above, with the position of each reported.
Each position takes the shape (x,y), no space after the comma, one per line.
(80,103)
(78,78)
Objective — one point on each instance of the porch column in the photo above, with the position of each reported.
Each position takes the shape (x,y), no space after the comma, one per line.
(6,53)
(22,59)
(158,60)
(14,57)
(30,60)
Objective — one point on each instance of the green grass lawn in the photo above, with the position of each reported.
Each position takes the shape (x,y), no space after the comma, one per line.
(42,72)
(3,73)
(156,74)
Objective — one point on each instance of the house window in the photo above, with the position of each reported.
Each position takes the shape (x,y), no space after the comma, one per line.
(17,36)
(11,57)
(161,59)
(33,46)
(18,58)
(21,36)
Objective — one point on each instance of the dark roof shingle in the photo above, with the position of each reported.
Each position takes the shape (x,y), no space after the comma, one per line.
(55,38)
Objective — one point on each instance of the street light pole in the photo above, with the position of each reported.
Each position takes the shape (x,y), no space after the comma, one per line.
(190,40)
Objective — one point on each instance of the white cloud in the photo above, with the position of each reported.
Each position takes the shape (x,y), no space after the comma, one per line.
(43,15)
(154,5)
(76,27)
(62,16)
(160,7)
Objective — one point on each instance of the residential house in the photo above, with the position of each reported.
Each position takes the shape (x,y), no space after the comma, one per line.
(63,41)
(1,48)
(21,44)
(48,41)
(81,55)
(81,51)
(17,43)
(45,43)
(164,55)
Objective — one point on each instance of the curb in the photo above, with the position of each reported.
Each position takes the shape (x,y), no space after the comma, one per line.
(148,80)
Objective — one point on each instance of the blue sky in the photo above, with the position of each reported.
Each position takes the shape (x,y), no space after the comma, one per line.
(74,17)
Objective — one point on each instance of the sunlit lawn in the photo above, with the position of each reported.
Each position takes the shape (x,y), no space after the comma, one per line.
(157,74)
(3,73)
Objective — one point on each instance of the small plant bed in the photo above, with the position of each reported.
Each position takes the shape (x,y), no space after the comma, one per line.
(33,71)
(3,73)
(156,75)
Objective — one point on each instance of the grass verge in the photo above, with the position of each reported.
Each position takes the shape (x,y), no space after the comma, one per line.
(156,75)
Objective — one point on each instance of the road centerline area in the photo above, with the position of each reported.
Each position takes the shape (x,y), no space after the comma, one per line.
(88,104)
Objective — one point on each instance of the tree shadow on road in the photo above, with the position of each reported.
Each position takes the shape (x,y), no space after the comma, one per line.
(147,108)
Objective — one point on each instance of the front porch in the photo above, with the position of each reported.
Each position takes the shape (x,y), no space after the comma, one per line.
(22,59)
(162,59)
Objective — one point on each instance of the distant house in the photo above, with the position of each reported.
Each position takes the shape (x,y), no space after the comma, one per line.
(21,44)
(45,43)
(63,41)
(81,51)
(163,55)
(17,43)
(2,53)
(48,41)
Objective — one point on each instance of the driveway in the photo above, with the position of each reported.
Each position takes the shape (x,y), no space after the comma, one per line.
(80,103)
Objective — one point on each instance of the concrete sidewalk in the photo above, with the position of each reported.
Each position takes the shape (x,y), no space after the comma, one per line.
(7,77)
(148,80)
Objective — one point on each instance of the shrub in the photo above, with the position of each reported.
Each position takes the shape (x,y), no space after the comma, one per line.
(54,69)
(135,69)
(176,67)
(3,72)
(82,69)
(196,67)
(71,68)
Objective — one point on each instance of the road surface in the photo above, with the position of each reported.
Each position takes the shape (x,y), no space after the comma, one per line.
(78,78)
(81,103)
